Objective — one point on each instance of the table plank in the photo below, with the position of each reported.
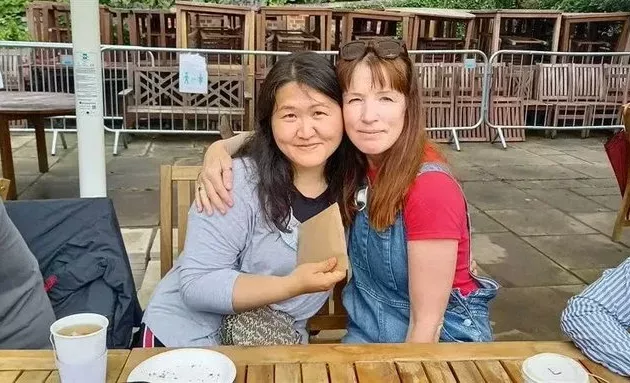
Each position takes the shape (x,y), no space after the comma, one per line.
(342,373)
(411,372)
(439,372)
(241,374)
(313,372)
(260,373)
(602,372)
(288,372)
(467,371)
(54,377)
(376,372)
(513,368)
(33,377)
(346,353)
(493,371)
(9,376)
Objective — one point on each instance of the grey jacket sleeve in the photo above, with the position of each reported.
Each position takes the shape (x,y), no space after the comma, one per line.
(210,263)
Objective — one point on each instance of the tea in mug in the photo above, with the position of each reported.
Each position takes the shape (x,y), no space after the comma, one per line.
(79,330)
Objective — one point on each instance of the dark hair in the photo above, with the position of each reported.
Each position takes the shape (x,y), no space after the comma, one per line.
(275,172)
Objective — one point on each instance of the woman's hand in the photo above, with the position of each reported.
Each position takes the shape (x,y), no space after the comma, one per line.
(214,181)
(316,277)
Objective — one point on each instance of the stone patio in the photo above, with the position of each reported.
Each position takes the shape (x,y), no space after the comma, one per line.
(542,214)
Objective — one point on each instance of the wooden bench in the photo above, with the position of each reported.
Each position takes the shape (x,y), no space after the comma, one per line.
(181,179)
(154,98)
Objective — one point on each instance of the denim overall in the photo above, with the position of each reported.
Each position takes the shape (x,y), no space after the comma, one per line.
(377,294)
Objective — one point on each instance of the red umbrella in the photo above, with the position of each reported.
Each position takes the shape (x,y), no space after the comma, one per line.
(618,150)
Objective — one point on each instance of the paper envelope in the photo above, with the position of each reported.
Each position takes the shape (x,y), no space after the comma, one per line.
(321,237)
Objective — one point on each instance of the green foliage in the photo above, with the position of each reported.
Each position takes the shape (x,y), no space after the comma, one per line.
(12,24)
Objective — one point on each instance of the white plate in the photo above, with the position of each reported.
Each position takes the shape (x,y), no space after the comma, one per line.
(186,365)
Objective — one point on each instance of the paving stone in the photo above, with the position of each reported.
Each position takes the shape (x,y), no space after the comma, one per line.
(564,159)
(611,202)
(581,251)
(539,222)
(513,262)
(603,222)
(534,172)
(548,184)
(591,191)
(530,313)
(499,195)
(593,170)
(136,208)
(567,200)
(588,275)
(481,223)
(137,243)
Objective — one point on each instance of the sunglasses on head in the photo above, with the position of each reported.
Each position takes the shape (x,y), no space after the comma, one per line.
(383,48)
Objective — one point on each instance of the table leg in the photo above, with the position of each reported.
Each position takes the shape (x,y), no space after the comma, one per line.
(7,157)
(40,140)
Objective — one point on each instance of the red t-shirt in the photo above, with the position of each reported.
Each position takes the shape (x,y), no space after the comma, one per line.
(435,209)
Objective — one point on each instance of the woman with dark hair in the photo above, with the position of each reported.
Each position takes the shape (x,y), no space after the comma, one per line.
(239,269)
(409,232)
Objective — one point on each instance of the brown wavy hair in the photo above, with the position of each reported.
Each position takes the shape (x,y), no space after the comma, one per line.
(401,163)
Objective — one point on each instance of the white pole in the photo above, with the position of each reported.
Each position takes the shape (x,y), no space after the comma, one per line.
(88,87)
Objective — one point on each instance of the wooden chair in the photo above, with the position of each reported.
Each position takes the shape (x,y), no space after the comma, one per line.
(622,215)
(4,188)
(332,315)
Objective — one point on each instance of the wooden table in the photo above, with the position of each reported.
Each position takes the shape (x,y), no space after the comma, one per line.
(34,107)
(38,366)
(469,363)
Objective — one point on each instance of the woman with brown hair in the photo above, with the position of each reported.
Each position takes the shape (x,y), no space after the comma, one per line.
(409,232)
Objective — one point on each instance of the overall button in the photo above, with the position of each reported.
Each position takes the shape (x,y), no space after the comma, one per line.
(467,322)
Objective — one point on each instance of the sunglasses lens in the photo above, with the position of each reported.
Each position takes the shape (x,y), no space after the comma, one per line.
(352,50)
(389,49)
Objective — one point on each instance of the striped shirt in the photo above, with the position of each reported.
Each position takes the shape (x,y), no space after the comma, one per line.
(597,320)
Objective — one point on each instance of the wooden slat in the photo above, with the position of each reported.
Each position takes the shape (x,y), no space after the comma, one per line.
(466,371)
(376,372)
(33,377)
(601,371)
(492,371)
(9,376)
(166,221)
(183,206)
(412,372)
(439,372)
(513,368)
(313,372)
(54,377)
(241,373)
(4,188)
(262,373)
(342,373)
(288,372)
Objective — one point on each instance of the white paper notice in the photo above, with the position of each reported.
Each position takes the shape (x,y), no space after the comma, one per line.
(193,74)
(86,82)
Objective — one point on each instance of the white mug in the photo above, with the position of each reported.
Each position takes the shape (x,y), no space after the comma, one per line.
(81,348)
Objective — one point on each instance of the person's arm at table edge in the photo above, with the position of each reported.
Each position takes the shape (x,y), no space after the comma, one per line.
(597,320)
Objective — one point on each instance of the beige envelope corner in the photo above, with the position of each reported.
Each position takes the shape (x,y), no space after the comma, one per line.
(321,237)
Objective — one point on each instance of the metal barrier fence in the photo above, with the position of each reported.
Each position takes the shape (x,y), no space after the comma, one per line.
(464,95)
(556,91)
(38,67)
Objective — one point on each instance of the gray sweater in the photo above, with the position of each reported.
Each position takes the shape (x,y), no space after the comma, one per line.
(189,303)
(25,310)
